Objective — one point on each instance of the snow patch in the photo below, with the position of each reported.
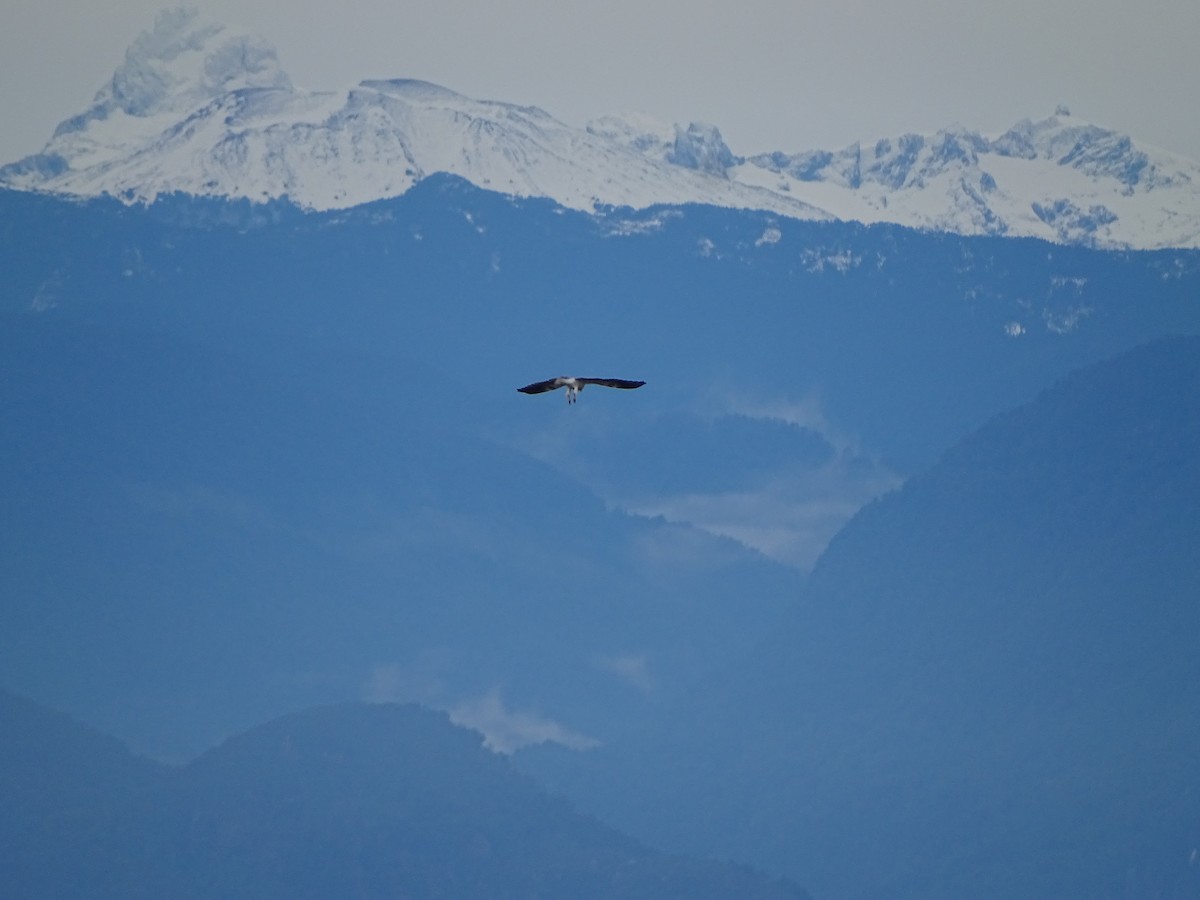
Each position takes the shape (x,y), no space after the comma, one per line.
(770,236)
(842,261)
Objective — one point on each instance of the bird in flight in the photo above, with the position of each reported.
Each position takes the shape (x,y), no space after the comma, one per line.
(575,385)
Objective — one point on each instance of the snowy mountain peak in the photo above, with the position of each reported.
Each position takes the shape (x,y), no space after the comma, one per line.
(169,73)
(198,108)
(1060,178)
(698,146)
(1088,148)
(183,62)
(640,131)
(415,91)
(701,147)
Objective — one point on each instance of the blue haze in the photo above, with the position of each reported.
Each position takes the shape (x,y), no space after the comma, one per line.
(255,459)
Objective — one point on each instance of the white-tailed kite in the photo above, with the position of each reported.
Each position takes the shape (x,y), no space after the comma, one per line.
(575,385)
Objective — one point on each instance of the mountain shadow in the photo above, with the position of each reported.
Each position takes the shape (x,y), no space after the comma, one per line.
(991,687)
(61,787)
(341,801)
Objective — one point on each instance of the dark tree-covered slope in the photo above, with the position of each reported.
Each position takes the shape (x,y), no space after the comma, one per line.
(344,801)
(991,687)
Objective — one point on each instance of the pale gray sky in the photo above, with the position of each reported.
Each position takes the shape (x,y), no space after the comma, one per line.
(771,74)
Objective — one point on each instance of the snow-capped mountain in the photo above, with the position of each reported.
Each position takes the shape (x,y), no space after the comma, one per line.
(197,108)
(1060,178)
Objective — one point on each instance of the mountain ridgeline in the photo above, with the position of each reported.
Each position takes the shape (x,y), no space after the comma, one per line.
(343,801)
(201,109)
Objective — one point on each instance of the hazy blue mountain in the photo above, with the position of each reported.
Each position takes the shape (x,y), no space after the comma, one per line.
(991,685)
(342,801)
(57,776)
(256,459)
(210,538)
(904,340)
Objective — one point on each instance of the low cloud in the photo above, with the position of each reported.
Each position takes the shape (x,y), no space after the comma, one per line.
(807,411)
(790,518)
(506,730)
(785,503)
(787,512)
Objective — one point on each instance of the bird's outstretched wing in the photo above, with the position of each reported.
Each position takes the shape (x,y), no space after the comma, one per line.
(613,382)
(540,387)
